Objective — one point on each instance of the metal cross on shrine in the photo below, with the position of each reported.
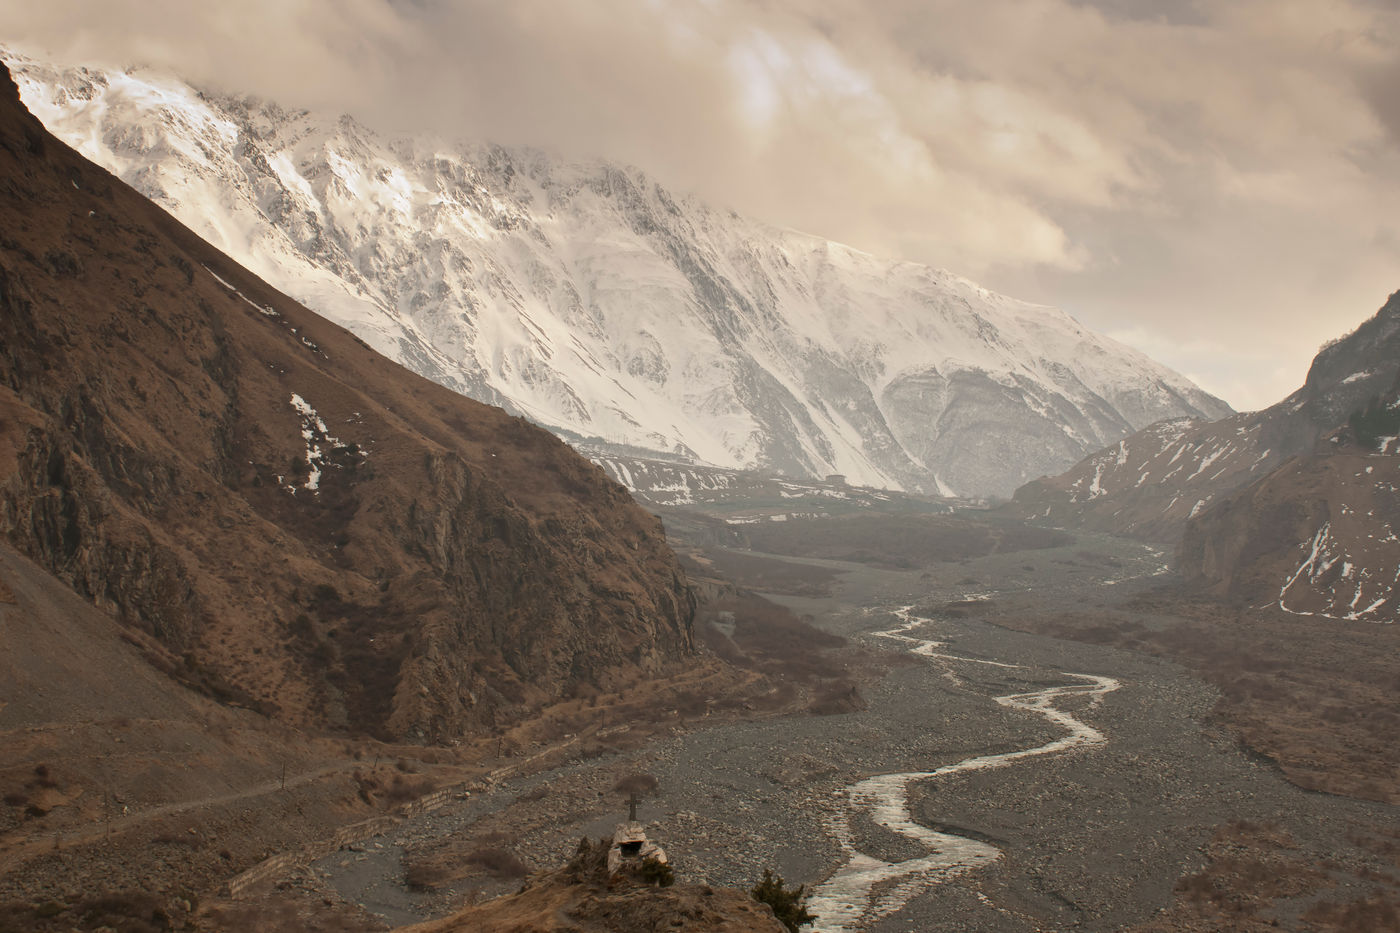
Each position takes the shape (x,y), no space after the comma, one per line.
(632,802)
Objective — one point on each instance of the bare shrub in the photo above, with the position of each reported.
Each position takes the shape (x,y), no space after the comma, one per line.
(1375,913)
(838,697)
(533,794)
(188,840)
(129,911)
(402,790)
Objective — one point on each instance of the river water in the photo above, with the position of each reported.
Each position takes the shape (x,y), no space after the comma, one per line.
(867,888)
(1088,801)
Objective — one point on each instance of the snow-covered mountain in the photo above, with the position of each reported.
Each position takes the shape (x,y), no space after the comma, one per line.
(591,300)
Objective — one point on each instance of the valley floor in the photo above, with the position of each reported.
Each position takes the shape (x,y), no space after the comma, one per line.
(1170,824)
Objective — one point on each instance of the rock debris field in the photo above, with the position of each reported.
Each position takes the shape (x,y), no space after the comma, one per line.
(1092,838)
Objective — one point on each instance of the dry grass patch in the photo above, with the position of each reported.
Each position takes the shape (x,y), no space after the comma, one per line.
(767,574)
(384,787)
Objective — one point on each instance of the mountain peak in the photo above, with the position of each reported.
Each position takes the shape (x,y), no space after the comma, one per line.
(590,299)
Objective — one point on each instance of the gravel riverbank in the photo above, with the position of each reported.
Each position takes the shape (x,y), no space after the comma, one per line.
(1091,839)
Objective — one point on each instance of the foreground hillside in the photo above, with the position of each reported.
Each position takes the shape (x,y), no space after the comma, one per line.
(307,528)
(583,897)
(1152,483)
(590,299)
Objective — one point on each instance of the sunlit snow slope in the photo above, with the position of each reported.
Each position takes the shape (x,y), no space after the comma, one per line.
(590,299)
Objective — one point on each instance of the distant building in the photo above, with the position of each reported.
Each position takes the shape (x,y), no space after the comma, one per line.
(838,479)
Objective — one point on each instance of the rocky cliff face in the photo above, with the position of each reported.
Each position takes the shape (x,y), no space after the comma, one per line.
(593,301)
(314,530)
(1152,483)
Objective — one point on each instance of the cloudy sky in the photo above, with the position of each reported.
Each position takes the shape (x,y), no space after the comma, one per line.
(1214,182)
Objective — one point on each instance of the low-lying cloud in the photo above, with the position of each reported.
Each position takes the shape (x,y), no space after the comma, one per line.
(1197,174)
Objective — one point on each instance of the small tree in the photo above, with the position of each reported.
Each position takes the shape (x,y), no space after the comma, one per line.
(786,904)
(635,787)
(640,784)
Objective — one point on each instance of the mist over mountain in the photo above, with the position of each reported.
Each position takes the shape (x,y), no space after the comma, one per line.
(591,300)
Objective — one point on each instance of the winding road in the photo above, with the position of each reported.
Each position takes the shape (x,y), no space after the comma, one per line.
(865,888)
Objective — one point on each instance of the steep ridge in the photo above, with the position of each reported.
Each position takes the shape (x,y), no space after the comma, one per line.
(590,299)
(1151,484)
(307,527)
(1315,537)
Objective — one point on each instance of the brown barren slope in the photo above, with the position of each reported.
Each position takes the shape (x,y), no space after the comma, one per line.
(115,776)
(309,529)
(1316,537)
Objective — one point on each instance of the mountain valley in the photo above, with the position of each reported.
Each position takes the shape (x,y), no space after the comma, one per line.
(298,639)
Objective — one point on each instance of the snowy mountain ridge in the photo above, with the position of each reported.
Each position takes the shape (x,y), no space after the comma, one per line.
(590,299)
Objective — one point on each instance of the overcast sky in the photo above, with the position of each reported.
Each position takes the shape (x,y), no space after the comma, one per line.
(1216,183)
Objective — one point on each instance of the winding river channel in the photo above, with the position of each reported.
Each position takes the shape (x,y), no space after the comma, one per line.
(866,889)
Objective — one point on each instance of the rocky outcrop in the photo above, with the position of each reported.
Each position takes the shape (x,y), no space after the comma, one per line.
(585,897)
(312,529)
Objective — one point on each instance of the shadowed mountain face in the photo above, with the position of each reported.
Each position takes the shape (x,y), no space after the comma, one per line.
(591,299)
(1316,537)
(312,529)
(1152,483)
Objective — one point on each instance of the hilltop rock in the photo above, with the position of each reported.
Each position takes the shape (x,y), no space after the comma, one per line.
(582,897)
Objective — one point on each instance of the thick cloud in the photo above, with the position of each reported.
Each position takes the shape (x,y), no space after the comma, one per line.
(1215,182)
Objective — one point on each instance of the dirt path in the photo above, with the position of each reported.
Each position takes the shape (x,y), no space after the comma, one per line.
(13,850)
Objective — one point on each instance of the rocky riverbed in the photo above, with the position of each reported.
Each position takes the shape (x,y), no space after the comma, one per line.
(1094,837)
